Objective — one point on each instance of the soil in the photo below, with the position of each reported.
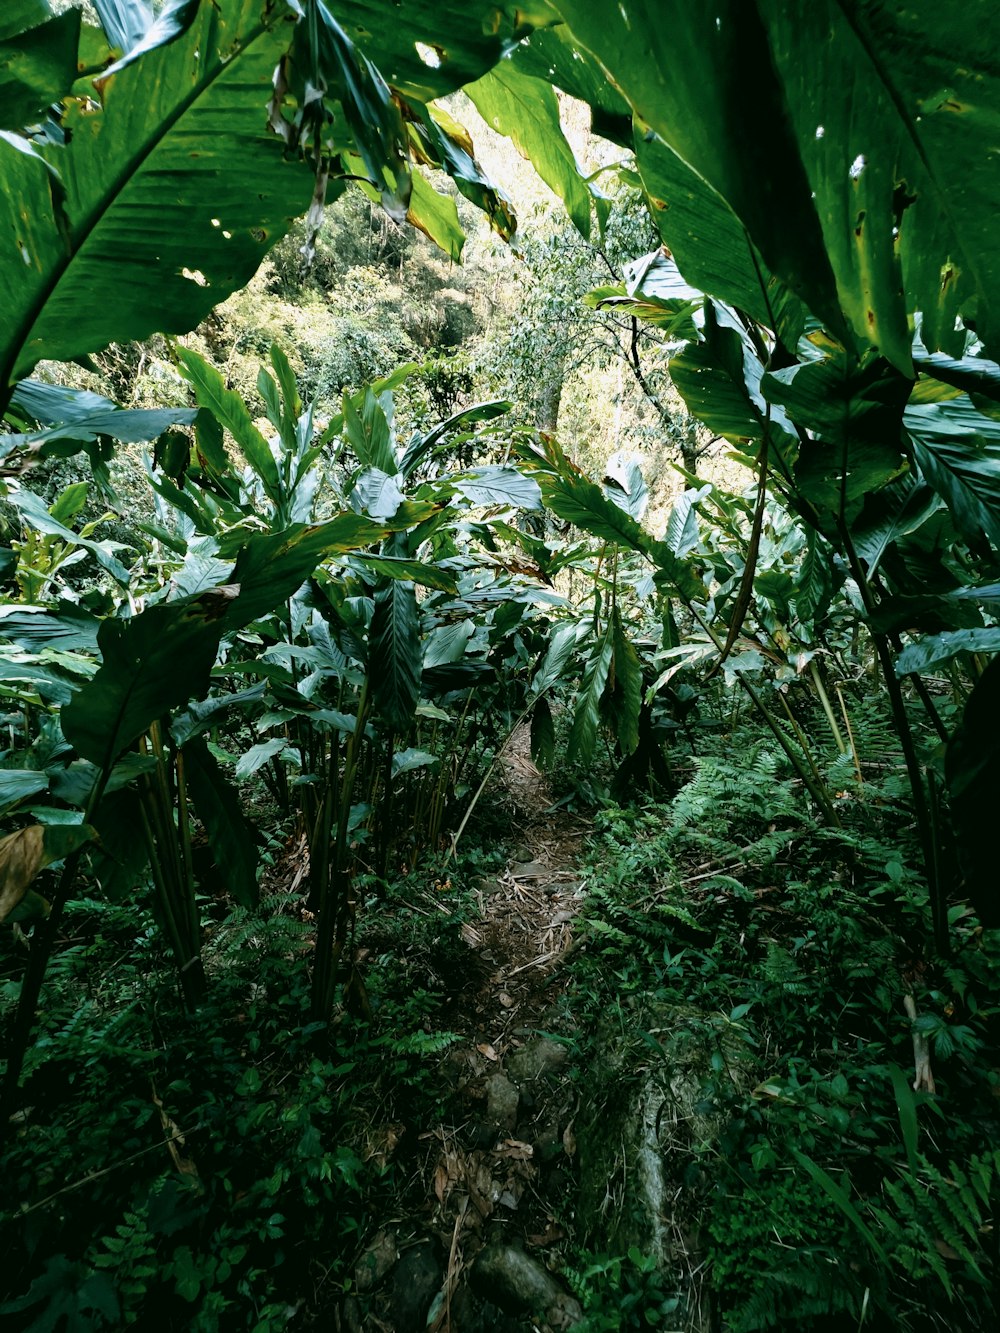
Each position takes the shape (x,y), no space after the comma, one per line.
(495,1170)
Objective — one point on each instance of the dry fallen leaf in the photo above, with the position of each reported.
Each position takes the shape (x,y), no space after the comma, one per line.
(484,1048)
(569,1140)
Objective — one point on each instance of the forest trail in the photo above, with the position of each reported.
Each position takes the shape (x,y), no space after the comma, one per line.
(489,1179)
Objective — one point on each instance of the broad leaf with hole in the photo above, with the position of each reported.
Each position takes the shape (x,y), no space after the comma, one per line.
(191,112)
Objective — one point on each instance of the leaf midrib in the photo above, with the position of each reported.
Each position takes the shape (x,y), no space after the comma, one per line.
(83,233)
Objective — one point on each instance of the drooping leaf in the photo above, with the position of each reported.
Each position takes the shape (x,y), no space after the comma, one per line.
(394,653)
(436,215)
(33,510)
(525,110)
(543,734)
(24,853)
(587,707)
(626,683)
(325,62)
(230,834)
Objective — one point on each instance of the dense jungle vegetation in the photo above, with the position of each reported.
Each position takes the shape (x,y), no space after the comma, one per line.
(499,631)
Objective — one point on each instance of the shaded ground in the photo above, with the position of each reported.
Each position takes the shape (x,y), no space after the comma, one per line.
(494,1172)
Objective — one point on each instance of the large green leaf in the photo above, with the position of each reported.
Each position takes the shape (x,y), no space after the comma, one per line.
(496,484)
(67,627)
(394,653)
(130,256)
(18,783)
(151,663)
(230,834)
(684,68)
(525,109)
(428,49)
(436,215)
(890,514)
(551,54)
(942,70)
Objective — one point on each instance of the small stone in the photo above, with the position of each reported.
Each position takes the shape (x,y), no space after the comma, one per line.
(502,1100)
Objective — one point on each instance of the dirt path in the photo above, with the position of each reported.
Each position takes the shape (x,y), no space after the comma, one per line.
(493,1175)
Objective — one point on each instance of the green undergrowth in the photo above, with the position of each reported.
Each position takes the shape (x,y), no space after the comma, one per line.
(752,967)
(217,1171)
